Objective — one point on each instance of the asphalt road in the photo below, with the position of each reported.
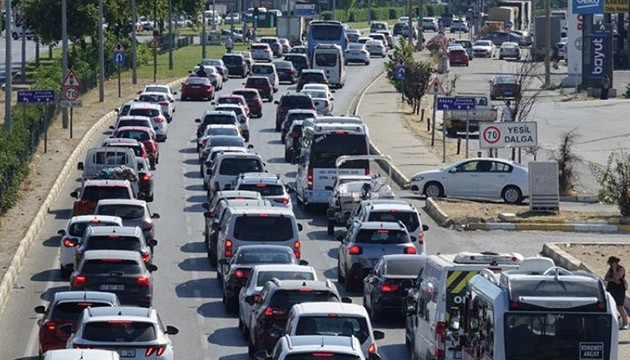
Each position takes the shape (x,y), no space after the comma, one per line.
(16,52)
(187,294)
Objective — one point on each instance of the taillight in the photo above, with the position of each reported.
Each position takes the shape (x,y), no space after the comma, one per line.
(143,281)
(228,248)
(269,311)
(367,171)
(372,348)
(309,178)
(241,274)
(284,201)
(78,280)
(146,256)
(146,225)
(440,340)
(50,325)
(410,250)
(323,354)
(355,250)
(164,103)
(293,134)
(157,350)
(146,177)
(388,287)
(159,119)
(421,237)
(297,248)
(67,242)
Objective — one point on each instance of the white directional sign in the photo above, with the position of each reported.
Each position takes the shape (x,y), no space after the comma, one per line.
(502,135)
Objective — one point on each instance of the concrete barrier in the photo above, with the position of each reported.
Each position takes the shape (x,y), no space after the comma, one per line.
(436,213)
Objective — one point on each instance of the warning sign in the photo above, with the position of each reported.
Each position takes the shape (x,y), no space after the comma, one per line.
(435,88)
(71,80)
(501,135)
(615,6)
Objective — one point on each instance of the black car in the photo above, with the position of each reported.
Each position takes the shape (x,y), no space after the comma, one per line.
(289,102)
(286,71)
(237,269)
(145,180)
(505,87)
(293,141)
(236,65)
(121,272)
(299,61)
(269,314)
(389,283)
(397,30)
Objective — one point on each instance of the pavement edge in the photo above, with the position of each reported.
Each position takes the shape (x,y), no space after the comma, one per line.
(437,214)
(6,285)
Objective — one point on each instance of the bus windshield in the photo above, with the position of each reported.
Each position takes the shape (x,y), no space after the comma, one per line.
(558,336)
(327,148)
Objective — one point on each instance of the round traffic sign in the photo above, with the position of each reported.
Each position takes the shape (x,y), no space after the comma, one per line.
(491,134)
(71,93)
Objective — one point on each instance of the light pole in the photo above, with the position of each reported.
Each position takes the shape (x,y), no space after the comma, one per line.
(204,36)
(134,70)
(7,69)
(170,34)
(64,53)
(547,43)
(101,54)
(214,15)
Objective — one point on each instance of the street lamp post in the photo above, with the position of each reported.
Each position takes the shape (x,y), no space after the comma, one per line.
(7,68)
(134,70)
(101,54)
(204,36)
(170,34)
(64,53)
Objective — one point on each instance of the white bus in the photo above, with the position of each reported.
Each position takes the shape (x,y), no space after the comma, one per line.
(330,58)
(537,312)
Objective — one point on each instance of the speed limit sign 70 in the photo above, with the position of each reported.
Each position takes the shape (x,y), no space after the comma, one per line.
(70,93)
(491,134)
(511,134)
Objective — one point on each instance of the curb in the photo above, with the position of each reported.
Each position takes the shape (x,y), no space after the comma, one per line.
(6,285)
(440,217)
(585,228)
(581,198)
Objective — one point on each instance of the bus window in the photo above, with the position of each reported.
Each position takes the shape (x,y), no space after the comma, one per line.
(329,33)
(326,59)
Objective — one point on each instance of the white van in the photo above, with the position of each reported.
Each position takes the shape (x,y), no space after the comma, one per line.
(330,59)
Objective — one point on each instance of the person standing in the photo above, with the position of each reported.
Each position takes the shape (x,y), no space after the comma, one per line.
(507,114)
(616,286)
(229,45)
(605,86)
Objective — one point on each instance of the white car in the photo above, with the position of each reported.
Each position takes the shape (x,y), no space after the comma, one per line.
(207,164)
(92,354)
(159,121)
(483,48)
(243,119)
(258,276)
(168,107)
(429,23)
(269,71)
(510,50)
(215,77)
(216,129)
(161,89)
(72,234)
(357,52)
(313,86)
(487,178)
(261,52)
(133,332)
(270,186)
(315,347)
(376,48)
(322,100)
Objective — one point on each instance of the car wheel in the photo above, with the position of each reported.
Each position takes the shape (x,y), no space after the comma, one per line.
(205,185)
(374,314)
(231,305)
(212,256)
(65,272)
(150,198)
(434,190)
(340,278)
(512,195)
(277,128)
(331,227)
(251,349)
(287,156)
(351,285)
(500,57)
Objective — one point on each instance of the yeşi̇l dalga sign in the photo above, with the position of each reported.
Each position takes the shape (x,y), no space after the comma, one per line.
(502,135)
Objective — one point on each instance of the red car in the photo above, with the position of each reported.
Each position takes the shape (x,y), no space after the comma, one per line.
(233,99)
(144,135)
(262,84)
(458,56)
(95,190)
(254,101)
(197,88)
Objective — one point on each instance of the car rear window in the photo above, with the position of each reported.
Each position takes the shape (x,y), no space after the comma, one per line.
(77,229)
(264,276)
(151,98)
(318,355)
(409,218)
(285,299)
(333,325)
(197,80)
(409,268)
(126,212)
(236,166)
(260,47)
(236,110)
(232,60)
(229,100)
(72,310)
(137,150)
(95,193)
(312,77)
(106,266)
(249,95)
(296,59)
(226,141)
(299,116)
(143,123)
(381,236)
(297,102)
(144,112)
(263,189)
(264,256)
(259,81)
(458,52)
(218,119)
(263,227)
(119,331)
(161,89)
(262,69)
(221,131)
(134,134)
(113,242)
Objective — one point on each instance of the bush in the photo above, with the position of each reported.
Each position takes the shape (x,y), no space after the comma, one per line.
(379,14)
(566,159)
(357,15)
(615,180)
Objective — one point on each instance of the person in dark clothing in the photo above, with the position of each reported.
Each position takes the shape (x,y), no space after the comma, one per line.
(616,278)
(202,72)
(605,88)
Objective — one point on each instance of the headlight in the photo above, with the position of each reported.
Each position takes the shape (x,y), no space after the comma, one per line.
(417,178)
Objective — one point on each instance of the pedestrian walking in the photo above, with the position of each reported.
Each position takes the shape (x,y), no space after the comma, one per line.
(617,286)
(507,114)
(605,86)
(229,45)
(248,36)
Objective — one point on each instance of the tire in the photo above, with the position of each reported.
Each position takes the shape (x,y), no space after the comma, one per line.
(65,272)
(512,195)
(231,305)
(205,186)
(14,36)
(150,198)
(500,57)
(277,127)
(330,230)
(433,189)
(340,278)
(374,315)
(212,256)
(287,156)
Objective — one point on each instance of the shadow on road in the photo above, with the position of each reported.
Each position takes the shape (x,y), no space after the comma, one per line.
(53,241)
(48,294)
(195,264)
(216,310)
(193,247)
(47,275)
(198,288)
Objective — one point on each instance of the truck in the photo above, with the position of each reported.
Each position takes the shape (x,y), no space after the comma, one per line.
(110,163)
(538,47)
(501,14)
(455,120)
(290,27)
(523,16)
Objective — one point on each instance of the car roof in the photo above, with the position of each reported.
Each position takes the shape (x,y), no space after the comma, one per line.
(127,312)
(95,218)
(375,225)
(135,202)
(146,105)
(302,111)
(268,211)
(112,254)
(117,230)
(265,246)
(259,177)
(67,296)
(284,267)
(245,155)
(389,204)
(92,354)
(156,93)
(313,71)
(135,128)
(238,193)
(126,141)
(240,106)
(311,343)
(223,126)
(310,284)
(135,117)
(405,257)
(317,308)
(218,112)
(106,182)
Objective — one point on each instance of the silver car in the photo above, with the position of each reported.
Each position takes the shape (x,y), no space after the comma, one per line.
(376,48)
(132,212)
(363,246)
(357,53)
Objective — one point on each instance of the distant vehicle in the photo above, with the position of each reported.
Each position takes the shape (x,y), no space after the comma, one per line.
(326,32)
(20,31)
(483,48)
(458,56)
(458,25)
(509,50)
(429,24)
(504,87)
(462,120)
(466,44)
(329,58)
(375,26)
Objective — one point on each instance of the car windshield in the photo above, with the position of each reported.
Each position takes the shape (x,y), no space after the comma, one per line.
(263,189)
(326,32)
(96,193)
(401,267)
(78,228)
(113,242)
(235,109)
(264,256)
(237,166)
(144,112)
(333,325)
(221,131)
(482,43)
(263,228)
(264,276)
(106,266)
(314,77)
(296,59)
(505,79)
(299,116)
(260,47)
(283,64)
(381,236)
(126,212)
(134,134)
(409,218)
(233,60)
(119,332)
(71,311)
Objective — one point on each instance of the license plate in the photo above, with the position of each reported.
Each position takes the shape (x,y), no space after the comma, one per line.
(112,287)
(195,87)
(127,353)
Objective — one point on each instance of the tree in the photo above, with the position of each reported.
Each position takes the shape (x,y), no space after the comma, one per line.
(417,81)
(615,181)
(44,18)
(402,51)
(566,159)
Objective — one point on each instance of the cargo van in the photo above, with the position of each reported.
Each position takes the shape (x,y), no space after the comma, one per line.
(330,59)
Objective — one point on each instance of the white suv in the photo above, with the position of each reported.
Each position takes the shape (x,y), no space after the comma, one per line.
(268,71)
(241,114)
(271,187)
(228,166)
(331,318)
(261,52)
(154,112)
(315,347)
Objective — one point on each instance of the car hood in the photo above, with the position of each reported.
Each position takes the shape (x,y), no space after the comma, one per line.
(431,173)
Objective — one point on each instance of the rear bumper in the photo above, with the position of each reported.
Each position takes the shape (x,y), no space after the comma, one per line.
(316,196)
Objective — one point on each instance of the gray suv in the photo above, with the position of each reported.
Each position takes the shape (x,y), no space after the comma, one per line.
(363,246)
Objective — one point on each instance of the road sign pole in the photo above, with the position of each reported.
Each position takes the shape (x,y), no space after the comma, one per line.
(71,123)
(134,70)
(433,120)
(467,129)
(443,139)
(119,94)
(154,64)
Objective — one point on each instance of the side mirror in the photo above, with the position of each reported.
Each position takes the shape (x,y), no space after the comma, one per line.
(152,242)
(172,330)
(155,216)
(174,92)
(328,187)
(66,329)
(346,300)
(277,102)
(152,267)
(74,194)
(425,227)
(303,262)
(409,306)
(378,335)
(80,166)
(300,227)
(250,146)
(339,238)
(41,309)
(139,92)
(261,355)
(332,99)
(61,232)
(117,111)
(197,120)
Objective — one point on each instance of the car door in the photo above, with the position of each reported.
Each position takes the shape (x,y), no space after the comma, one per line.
(487,179)
(500,175)
(462,179)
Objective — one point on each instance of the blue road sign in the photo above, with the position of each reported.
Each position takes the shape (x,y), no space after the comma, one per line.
(508,24)
(119,58)
(35,96)
(456,103)
(400,72)
(304,12)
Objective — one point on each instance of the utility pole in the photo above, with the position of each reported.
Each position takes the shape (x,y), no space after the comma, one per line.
(170,34)
(410,15)
(134,69)
(7,69)
(334,9)
(64,54)
(204,36)
(101,54)
(214,15)
(23,51)
(547,43)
